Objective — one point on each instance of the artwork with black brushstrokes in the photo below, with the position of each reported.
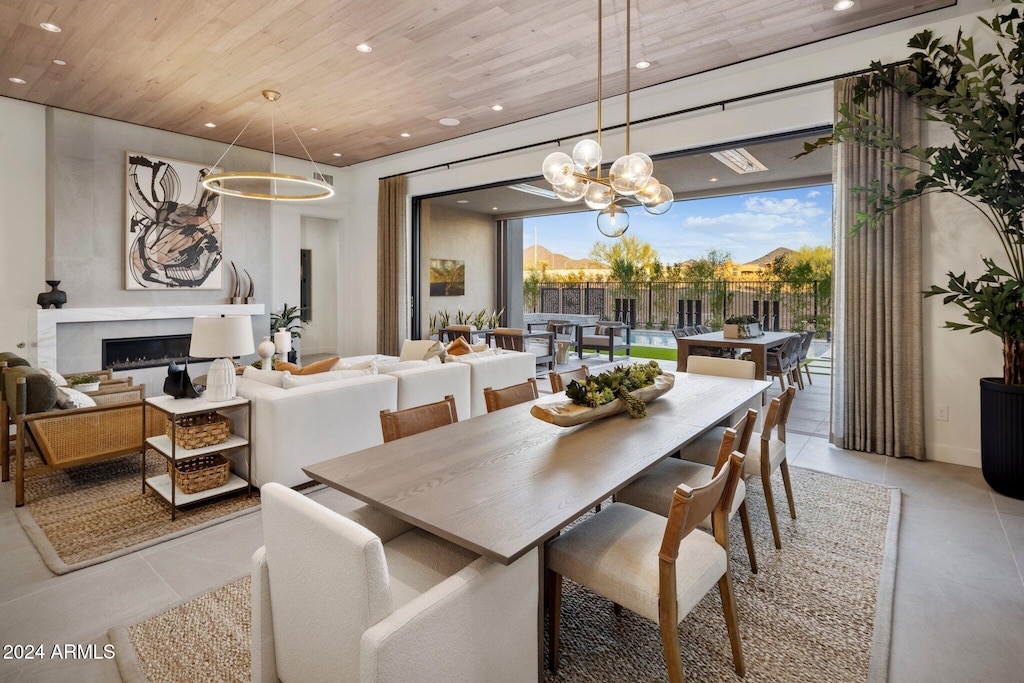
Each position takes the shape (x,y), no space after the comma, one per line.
(174,226)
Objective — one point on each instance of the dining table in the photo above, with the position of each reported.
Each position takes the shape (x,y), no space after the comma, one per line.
(758,346)
(504,483)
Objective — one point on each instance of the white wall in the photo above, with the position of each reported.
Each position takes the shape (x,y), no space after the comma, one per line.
(957,441)
(321,236)
(22,222)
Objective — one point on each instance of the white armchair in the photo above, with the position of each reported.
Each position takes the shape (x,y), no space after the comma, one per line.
(334,601)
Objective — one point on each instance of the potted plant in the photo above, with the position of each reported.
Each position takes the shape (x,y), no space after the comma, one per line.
(85,382)
(979,96)
(742,327)
(290,319)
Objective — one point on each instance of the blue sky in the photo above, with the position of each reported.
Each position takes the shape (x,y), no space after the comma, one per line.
(747,226)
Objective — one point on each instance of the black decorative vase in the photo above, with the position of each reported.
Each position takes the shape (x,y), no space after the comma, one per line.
(1002,436)
(55,297)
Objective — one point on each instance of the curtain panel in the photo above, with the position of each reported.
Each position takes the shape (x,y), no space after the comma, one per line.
(877,384)
(392,271)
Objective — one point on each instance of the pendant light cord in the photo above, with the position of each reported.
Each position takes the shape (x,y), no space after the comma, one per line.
(600,51)
(628,14)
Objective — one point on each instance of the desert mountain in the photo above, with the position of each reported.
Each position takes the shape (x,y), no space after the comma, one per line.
(556,261)
(771,256)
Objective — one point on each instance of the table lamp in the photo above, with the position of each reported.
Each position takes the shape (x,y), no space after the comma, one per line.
(283,344)
(221,338)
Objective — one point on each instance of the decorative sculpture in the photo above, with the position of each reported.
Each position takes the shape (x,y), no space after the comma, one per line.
(55,297)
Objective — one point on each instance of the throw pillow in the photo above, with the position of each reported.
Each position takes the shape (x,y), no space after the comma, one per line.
(55,377)
(356,363)
(459,347)
(271,377)
(477,348)
(384,367)
(290,381)
(68,398)
(324,365)
(419,349)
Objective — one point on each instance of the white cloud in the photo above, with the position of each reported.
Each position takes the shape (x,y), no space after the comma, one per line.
(792,208)
(812,194)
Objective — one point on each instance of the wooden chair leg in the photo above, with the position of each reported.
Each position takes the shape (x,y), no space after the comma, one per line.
(799,377)
(5,457)
(732,622)
(670,640)
(784,466)
(553,588)
(19,468)
(769,499)
(807,369)
(747,536)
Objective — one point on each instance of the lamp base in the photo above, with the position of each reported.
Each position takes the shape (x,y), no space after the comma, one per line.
(220,380)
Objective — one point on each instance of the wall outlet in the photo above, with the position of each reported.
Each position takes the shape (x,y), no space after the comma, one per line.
(942,413)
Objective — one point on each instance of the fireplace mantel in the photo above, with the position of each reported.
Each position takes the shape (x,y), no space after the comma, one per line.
(48,319)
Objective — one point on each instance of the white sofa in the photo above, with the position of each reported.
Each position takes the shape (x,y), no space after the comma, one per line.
(296,427)
(371,599)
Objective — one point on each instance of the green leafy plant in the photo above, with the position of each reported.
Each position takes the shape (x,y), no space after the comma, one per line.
(78,380)
(596,390)
(978,95)
(288,319)
(741,320)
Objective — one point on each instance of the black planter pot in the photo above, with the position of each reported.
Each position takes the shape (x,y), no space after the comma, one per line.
(1002,436)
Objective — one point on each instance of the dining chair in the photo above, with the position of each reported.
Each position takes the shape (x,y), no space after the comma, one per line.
(805,349)
(782,362)
(560,380)
(401,423)
(496,399)
(653,490)
(656,567)
(721,367)
(540,344)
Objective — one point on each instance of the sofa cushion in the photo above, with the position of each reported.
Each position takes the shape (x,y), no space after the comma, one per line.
(271,377)
(361,362)
(385,367)
(68,398)
(290,381)
(324,365)
(40,394)
(421,349)
(13,360)
(55,377)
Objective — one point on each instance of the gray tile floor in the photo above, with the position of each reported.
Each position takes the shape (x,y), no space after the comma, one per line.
(959,612)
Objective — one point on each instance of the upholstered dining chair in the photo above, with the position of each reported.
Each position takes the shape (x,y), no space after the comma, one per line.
(654,489)
(496,399)
(401,423)
(802,359)
(782,362)
(560,380)
(659,568)
(367,597)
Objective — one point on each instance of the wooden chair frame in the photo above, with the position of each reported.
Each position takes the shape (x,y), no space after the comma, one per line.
(612,329)
(560,380)
(512,339)
(496,399)
(775,419)
(402,423)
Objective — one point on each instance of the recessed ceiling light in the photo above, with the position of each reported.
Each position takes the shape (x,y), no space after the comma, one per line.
(494,208)
(642,65)
(405,135)
(740,160)
(337,154)
(449,122)
(211,124)
(462,201)
(843,5)
(497,107)
(363,47)
(19,81)
(533,189)
(60,62)
(314,129)
(52,28)
(712,180)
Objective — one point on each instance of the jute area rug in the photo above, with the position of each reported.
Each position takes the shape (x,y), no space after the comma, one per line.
(819,610)
(85,515)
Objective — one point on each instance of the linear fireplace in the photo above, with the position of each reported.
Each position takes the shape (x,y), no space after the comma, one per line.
(131,353)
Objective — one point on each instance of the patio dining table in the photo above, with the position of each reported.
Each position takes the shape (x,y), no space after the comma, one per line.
(758,347)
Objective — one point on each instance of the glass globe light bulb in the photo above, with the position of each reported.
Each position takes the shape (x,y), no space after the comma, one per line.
(571,190)
(648,162)
(587,154)
(613,221)
(663,203)
(628,175)
(557,168)
(598,196)
(648,194)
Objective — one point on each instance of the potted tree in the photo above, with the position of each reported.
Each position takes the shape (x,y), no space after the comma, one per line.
(979,96)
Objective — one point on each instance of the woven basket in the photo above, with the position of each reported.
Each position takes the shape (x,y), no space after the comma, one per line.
(199,431)
(200,474)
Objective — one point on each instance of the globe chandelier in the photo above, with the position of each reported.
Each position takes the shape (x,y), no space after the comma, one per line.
(630,177)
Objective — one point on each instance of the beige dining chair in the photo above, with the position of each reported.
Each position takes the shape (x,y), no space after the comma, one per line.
(560,380)
(721,367)
(401,423)
(656,567)
(496,399)
(654,489)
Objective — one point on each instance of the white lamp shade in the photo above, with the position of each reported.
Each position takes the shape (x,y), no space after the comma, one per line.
(221,337)
(283,341)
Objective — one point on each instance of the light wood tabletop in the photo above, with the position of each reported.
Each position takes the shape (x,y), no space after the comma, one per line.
(758,347)
(503,483)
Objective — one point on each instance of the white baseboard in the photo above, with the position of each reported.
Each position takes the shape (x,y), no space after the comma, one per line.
(971,457)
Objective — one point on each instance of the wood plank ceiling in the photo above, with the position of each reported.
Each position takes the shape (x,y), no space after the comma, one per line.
(178,65)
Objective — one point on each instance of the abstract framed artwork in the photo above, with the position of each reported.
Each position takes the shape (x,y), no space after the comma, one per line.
(447,277)
(174,227)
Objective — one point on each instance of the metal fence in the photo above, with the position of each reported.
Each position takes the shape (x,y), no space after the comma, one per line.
(665,305)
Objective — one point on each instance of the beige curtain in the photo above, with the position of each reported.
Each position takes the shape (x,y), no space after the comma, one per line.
(391,264)
(877,387)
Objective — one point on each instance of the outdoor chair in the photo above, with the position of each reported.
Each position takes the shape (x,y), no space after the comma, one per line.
(783,362)
(656,567)
(680,332)
(560,380)
(654,489)
(565,336)
(453,332)
(703,329)
(540,344)
(496,399)
(401,423)
(608,336)
(802,360)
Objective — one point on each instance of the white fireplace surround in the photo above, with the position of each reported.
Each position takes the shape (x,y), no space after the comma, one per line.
(48,319)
